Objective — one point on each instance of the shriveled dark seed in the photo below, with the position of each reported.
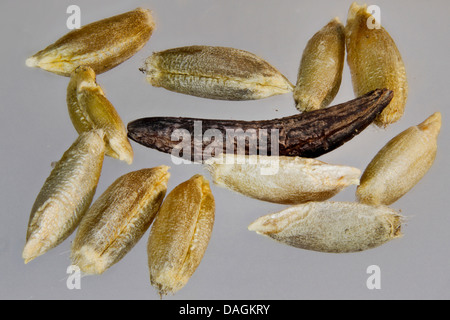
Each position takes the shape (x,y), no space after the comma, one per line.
(309,135)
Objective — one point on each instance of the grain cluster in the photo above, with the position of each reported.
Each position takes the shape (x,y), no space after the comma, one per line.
(282,171)
(90,109)
(66,195)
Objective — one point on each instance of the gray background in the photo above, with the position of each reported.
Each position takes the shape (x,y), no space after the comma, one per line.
(238,264)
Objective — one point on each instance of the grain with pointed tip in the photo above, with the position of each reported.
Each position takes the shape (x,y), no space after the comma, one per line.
(400,164)
(332,227)
(284,180)
(66,195)
(375,62)
(118,219)
(90,109)
(308,134)
(180,235)
(215,73)
(320,72)
(102,45)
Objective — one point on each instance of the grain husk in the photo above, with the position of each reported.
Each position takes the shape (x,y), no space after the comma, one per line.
(66,195)
(220,73)
(180,235)
(331,227)
(320,72)
(375,62)
(283,180)
(400,164)
(118,219)
(101,45)
(90,109)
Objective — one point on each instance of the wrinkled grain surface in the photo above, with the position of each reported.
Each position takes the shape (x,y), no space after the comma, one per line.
(90,109)
(401,163)
(284,180)
(118,219)
(66,195)
(320,72)
(309,134)
(375,62)
(180,235)
(333,227)
(215,72)
(101,45)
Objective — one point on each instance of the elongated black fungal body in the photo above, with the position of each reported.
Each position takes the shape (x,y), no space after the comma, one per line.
(309,134)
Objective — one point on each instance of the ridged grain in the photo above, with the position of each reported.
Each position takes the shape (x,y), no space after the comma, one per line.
(180,235)
(118,219)
(215,72)
(66,195)
(90,109)
(101,45)
(284,180)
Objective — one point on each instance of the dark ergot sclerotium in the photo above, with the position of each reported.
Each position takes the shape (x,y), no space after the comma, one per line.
(215,73)
(309,134)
